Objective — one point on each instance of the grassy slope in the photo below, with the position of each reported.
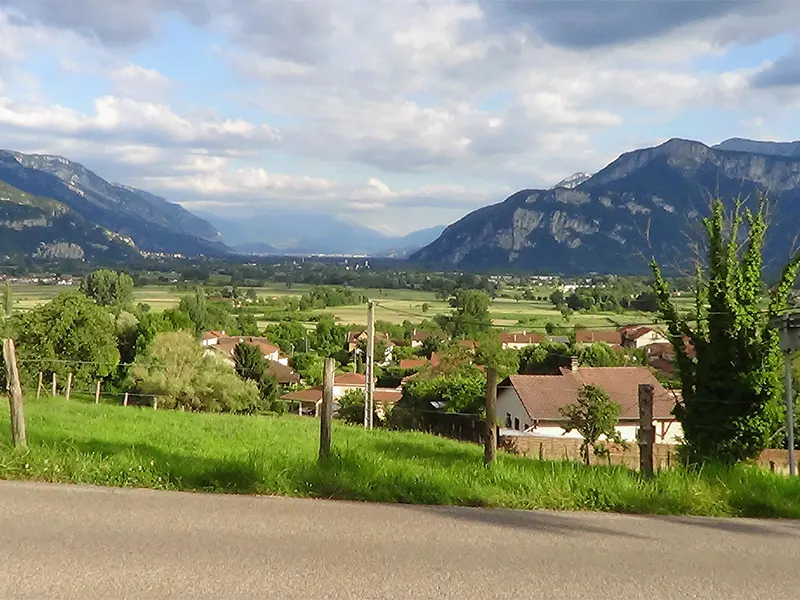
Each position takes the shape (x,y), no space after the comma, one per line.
(111,445)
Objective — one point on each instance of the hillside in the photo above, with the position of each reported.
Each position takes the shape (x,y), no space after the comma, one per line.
(43,228)
(785,149)
(647,202)
(150,221)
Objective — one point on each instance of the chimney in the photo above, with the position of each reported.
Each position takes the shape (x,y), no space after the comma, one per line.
(573,366)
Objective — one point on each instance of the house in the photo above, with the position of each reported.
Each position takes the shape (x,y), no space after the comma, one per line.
(418,363)
(518,341)
(638,337)
(308,401)
(470,345)
(283,374)
(587,337)
(418,337)
(532,403)
(347,382)
(223,346)
(210,338)
(356,338)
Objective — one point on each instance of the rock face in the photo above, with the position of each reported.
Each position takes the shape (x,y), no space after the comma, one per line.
(43,228)
(646,203)
(153,223)
(784,149)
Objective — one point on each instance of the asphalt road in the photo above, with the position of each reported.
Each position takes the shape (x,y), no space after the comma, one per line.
(84,543)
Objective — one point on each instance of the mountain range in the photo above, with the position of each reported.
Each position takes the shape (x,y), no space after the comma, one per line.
(280,231)
(647,203)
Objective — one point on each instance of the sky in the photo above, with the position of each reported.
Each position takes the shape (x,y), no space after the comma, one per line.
(397,114)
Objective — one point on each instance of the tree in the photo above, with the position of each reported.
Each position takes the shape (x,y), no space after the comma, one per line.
(425,307)
(246,324)
(175,370)
(251,365)
(470,316)
(309,365)
(69,334)
(593,415)
(109,288)
(731,405)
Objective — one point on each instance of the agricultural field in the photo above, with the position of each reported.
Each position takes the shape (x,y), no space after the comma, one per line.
(29,296)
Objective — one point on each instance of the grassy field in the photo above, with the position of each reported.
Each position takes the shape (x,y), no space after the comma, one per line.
(133,447)
(394,306)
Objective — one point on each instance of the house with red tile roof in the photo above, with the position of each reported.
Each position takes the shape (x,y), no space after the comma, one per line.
(635,336)
(532,403)
(586,337)
(518,341)
(223,346)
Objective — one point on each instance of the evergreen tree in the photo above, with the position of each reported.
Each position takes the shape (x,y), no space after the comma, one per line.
(732,405)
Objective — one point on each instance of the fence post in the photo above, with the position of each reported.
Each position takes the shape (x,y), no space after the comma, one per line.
(155,402)
(69,385)
(490,438)
(125,400)
(647,433)
(14,395)
(326,415)
(53,391)
(41,385)
(97,394)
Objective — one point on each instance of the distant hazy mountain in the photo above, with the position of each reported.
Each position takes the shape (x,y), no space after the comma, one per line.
(573,180)
(31,226)
(150,221)
(647,202)
(783,149)
(284,232)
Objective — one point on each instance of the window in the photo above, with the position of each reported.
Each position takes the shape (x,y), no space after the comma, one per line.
(508,420)
(516,424)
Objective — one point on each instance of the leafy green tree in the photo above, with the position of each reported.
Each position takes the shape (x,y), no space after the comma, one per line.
(544,359)
(601,354)
(593,415)
(251,365)
(429,345)
(470,317)
(109,288)
(351,409)
(246,324)
(329,337)
(289,336)
(425,307)
(175,370)
(69,334)
(491,354)
(309,365)
(731,391)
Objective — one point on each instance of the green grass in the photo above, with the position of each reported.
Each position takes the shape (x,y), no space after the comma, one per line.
(77,442)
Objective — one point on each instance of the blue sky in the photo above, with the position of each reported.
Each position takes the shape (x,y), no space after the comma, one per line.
(398,114)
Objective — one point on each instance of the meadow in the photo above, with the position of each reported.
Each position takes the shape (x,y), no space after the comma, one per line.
(394,306)
(79,442)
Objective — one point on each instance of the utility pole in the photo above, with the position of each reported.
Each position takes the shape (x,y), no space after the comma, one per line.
(368,407)
(789,327)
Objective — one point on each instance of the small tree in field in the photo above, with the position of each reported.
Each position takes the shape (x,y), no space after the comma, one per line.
(731,387)
(594,415)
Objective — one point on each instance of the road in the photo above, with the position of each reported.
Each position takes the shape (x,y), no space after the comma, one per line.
(65,542)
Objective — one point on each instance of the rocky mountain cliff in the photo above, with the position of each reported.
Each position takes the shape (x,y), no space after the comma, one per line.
(43,228)
(785,149)
(647,202)
(150,221)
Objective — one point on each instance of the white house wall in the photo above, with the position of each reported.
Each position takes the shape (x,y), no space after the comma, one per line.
(508,403)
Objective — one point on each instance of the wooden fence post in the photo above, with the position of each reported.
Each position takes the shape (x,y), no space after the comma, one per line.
(125,401)
(41,385)
(97,394)
(53,390)
(155,402)
(14,395)
(326,414)
(69,385)
(647,433)
(490,437)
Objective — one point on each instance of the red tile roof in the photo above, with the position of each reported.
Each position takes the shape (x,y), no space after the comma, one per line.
(225,345)
(350,379)
(212,335)
(387,396)
(413,363)
(312,395)
(521,338)
(469,344)
(587,336)
(543,395)
(634,332)
(283,374)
